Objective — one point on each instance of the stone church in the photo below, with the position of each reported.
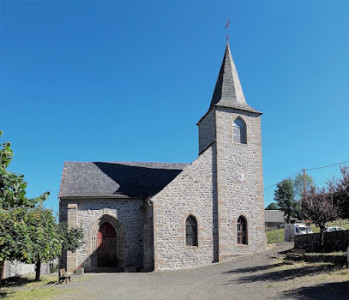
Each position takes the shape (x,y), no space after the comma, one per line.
(168,216)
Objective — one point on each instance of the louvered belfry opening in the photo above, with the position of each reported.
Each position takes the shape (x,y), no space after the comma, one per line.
(191,230)
(242,231)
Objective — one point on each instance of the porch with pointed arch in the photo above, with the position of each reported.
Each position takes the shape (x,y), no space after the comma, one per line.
(106,244)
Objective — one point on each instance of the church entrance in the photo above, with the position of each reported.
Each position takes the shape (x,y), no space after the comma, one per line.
(107,246)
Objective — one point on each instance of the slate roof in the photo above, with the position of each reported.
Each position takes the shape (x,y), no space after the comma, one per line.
(274,216)
(116,179)
(228,91)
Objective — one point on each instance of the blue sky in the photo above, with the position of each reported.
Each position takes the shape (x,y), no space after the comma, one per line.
(128,80)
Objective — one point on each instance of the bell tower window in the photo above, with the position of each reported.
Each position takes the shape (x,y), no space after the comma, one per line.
(239,131)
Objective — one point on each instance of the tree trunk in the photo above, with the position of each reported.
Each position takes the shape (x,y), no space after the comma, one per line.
(288,219)
(2,271)
(322,229)
(37,270)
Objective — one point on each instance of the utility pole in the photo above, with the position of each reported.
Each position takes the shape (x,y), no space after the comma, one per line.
(304,193)
(304,184)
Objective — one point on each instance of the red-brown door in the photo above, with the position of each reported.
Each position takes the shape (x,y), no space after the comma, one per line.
(106,246)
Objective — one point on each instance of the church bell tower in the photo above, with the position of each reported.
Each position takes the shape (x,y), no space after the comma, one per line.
(233,128)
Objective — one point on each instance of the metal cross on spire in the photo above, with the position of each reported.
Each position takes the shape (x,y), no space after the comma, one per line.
(227,27)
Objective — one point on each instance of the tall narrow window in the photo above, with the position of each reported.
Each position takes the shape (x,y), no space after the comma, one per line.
(191,231)
(242,231)
(239,131)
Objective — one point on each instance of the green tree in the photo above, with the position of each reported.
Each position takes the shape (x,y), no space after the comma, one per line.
(272,206)
(14,240)
(28,232)
(12,185)
(71,237)
(298,184)
(284,197)
(44,236)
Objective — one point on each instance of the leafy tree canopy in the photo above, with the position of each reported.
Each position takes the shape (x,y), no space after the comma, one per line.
(14,239)
(318,207)
(45,239)
(298,184)
(284,197)
(340,189)
(272,206)
(12,185)
(71,237)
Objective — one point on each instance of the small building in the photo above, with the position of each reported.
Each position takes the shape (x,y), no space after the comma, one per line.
(274,219)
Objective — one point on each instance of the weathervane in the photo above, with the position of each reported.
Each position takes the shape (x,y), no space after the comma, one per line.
(227,26)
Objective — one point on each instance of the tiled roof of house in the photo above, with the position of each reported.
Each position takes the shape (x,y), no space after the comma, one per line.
(116,179)
(274,216)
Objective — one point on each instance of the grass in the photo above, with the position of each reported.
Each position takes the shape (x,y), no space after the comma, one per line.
(27,288)
(23,288)
(339,223)
(338,253)
(294,274)
(277,235)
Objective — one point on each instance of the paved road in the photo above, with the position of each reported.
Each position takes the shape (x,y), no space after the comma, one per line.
(244,278)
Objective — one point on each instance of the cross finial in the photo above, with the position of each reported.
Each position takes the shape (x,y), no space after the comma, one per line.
(227,27)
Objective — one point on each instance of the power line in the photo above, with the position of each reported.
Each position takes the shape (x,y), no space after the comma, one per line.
(280,181)
(332,165)
(317,168)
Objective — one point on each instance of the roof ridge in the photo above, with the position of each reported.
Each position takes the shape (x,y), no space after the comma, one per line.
(128,162)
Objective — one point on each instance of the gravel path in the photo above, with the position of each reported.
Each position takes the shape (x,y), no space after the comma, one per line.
(244,278)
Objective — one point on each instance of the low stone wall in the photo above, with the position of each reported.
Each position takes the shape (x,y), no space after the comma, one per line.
(333,241)
(13,269)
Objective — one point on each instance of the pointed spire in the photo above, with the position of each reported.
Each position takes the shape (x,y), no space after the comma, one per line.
(228,91)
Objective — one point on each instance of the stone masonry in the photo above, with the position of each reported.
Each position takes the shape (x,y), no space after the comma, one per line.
(190,193)
(128,213)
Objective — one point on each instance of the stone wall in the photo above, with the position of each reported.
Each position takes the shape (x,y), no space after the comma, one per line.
(239,182)
(16,268)
(192,192)
(333,241)
(125,215)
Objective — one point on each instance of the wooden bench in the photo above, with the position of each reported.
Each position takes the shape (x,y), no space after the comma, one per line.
(63,276)
(298,251)
(296,254)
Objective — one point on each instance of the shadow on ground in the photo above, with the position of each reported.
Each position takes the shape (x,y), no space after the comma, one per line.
(16,281)
(281,275)
(258,268)
(325,291)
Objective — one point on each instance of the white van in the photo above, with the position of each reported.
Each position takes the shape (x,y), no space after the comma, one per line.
(295,229)
(300,228)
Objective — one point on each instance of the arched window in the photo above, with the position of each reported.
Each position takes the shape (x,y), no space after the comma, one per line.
(239,131)
(242,231)
(191,231)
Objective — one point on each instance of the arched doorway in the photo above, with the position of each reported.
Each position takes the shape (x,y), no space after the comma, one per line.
(106,246)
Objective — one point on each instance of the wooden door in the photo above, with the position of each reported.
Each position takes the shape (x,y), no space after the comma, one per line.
(106,246)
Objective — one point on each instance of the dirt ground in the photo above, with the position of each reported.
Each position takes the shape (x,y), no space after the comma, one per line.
(261,276)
